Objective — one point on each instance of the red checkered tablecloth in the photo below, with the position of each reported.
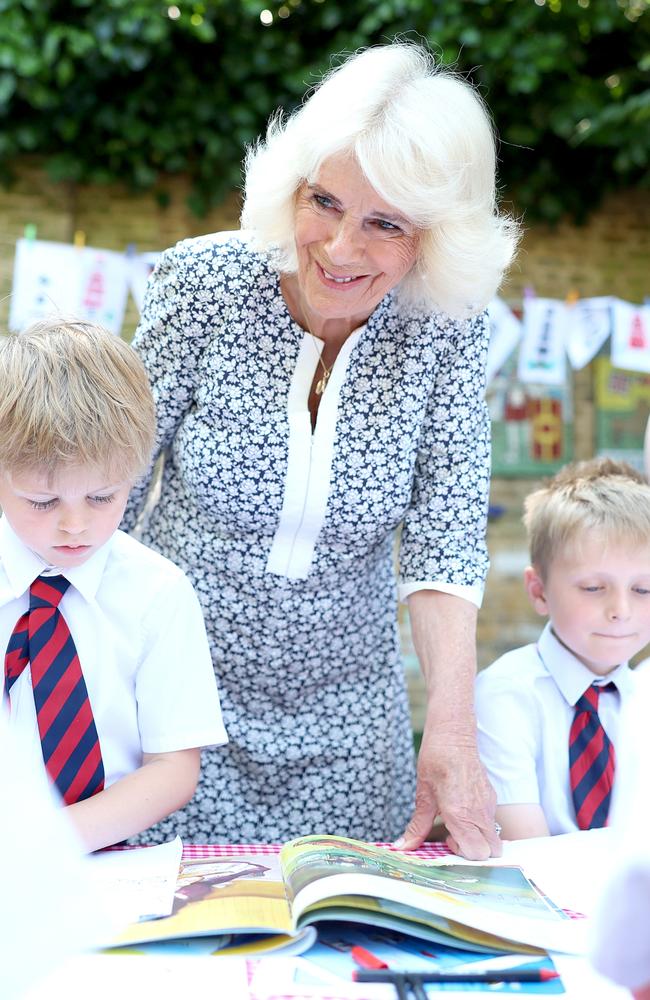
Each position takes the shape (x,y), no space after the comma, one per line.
(191,851)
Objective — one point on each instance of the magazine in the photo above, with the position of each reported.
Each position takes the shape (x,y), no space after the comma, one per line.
(316,878)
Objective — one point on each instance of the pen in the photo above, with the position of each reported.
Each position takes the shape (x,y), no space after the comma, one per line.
(412,978)
(373,964)
(365,959)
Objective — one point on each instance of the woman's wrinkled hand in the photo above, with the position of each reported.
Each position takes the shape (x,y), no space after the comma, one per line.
(452,784)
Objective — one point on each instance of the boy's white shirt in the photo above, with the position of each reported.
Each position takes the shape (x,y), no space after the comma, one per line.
(140,637)
(525,706)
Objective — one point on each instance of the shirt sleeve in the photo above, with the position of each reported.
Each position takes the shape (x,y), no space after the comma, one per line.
(443,535)
(508,738)
(176,691)
(178,320)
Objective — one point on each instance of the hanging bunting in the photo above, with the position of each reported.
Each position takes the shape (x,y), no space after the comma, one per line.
(542,357)
(42,282)
(505,334)
(141,266)
(57,279)
(630,336)
(588,325)
(103,288)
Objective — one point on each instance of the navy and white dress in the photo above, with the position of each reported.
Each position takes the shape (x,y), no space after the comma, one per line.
(287,535)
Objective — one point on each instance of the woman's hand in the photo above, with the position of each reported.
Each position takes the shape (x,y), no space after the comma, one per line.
(452,785)
(451,781)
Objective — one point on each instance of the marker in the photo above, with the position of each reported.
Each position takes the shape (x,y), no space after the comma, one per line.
(413,978)
(365,959)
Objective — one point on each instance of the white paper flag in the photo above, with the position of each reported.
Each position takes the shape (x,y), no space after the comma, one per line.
(140,267)
(53,279)
(631,336)
(505,334)
(103,287)
(45,282)
(589,324)
(542,357)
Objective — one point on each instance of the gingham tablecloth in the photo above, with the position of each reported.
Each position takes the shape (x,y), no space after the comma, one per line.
(233,850)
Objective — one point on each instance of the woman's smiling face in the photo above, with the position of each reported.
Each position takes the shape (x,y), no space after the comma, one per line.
(352,246)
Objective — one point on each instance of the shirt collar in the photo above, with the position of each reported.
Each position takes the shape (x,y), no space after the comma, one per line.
(570,674)
(22,566)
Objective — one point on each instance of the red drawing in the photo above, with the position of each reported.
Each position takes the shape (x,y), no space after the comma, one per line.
(638,338)
(95,289)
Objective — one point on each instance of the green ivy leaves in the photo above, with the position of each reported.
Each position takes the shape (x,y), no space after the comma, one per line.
(135,90)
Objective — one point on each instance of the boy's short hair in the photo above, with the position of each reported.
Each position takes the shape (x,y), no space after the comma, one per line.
(74,393)
(600,495)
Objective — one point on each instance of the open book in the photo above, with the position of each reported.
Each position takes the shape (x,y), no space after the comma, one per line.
(315,878)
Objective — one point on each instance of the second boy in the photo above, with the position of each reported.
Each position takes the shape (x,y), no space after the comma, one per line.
(548,712)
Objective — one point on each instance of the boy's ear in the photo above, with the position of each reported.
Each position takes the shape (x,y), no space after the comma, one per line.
(535,589)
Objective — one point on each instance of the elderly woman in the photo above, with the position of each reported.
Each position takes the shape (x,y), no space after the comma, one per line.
(319,379)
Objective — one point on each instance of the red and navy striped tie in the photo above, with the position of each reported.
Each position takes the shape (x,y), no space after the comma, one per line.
(591,760)
(69,738)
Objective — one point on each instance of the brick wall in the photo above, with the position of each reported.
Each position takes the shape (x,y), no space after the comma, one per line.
(609,255)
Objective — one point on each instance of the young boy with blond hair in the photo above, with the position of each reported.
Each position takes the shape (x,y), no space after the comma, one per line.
(548,712)
(108,675)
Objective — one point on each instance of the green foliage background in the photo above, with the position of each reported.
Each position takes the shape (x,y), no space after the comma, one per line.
(119,90)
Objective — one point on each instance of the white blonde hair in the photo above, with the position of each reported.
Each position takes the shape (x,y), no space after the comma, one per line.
(72,393)
(598,497)
(424,140)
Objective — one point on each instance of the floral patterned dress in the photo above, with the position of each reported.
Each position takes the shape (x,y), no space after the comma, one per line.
(288,535)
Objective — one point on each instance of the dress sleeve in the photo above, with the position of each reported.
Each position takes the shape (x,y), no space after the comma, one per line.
(508,737)
(178,320)
(443,535)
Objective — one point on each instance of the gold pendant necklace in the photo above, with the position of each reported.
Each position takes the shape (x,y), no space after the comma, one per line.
(321,385)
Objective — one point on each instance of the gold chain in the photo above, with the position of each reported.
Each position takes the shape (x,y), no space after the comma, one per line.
(321,385)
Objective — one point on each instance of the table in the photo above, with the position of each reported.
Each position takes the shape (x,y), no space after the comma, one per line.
(132,977)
